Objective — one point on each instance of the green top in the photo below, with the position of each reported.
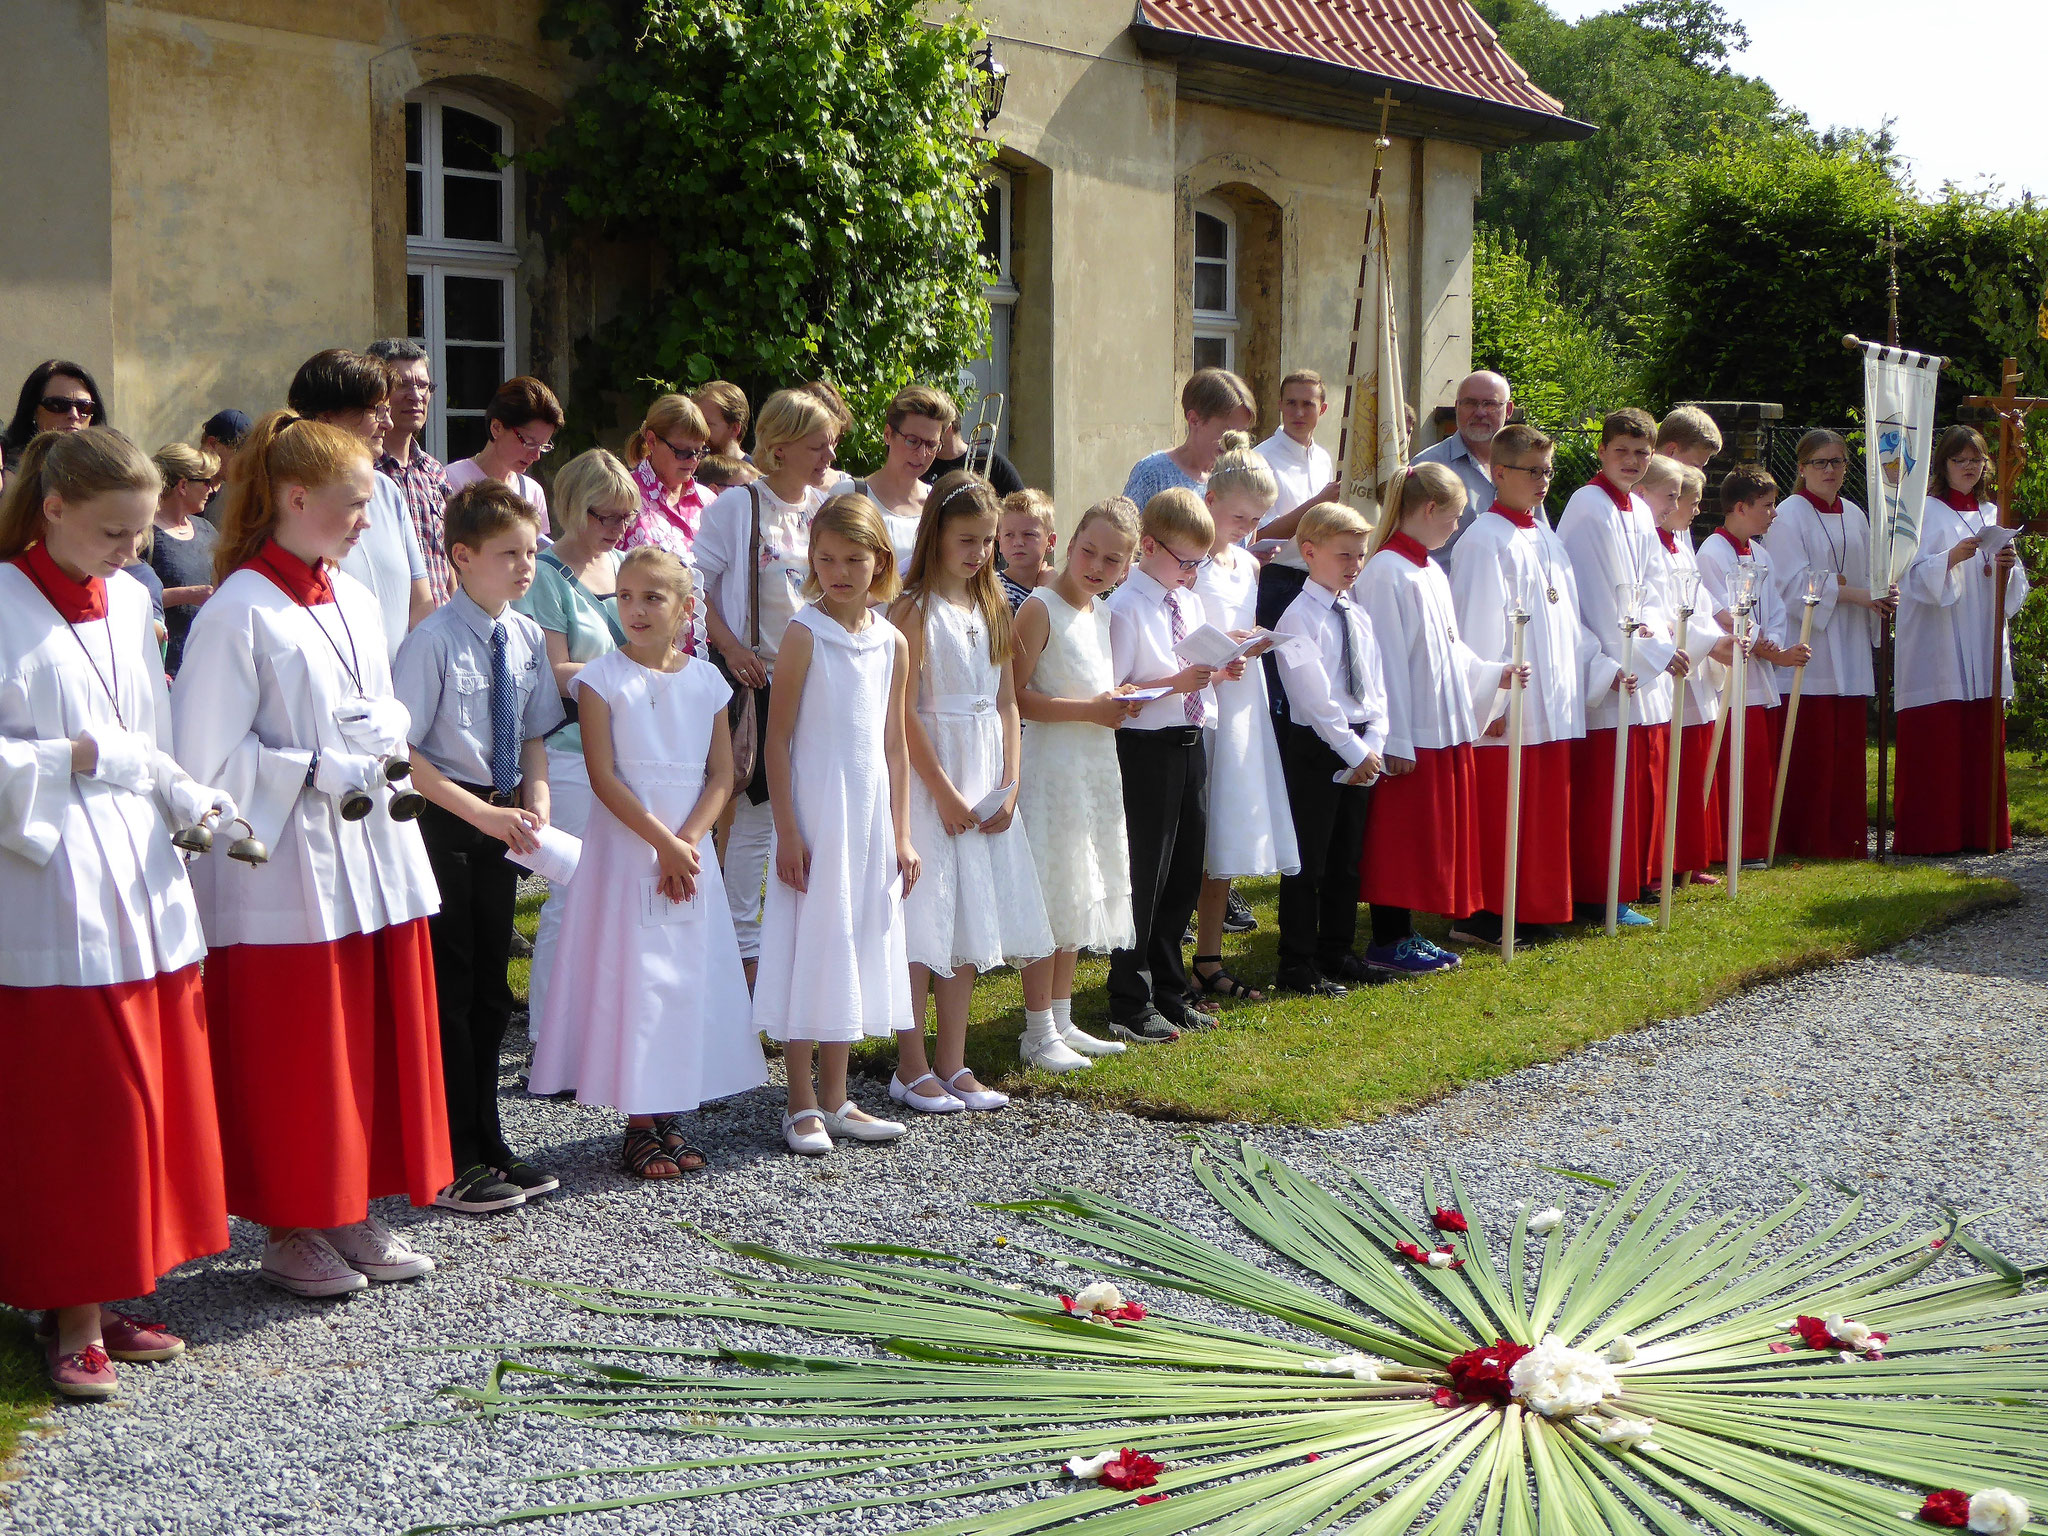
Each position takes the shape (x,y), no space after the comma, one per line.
(562,605)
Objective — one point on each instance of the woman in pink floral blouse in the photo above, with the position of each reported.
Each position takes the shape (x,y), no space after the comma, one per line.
(663,456)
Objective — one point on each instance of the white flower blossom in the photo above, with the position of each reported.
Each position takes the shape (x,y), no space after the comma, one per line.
(1358,1367)
(1090,1467)
(1994,1512)
(1441,1260)
(1621,1351)
(1099,1297)
(1850,1332)
(1558,1381)
(1546,1220)
(1628,1434)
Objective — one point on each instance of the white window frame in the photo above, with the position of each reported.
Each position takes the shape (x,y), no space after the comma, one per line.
(1217,324)
(991,372)
(432,257)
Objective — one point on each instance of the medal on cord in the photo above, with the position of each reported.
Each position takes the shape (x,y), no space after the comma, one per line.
(113,661)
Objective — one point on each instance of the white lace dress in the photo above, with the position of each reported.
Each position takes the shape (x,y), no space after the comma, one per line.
(1251,829)
(977,902)
(1072,799)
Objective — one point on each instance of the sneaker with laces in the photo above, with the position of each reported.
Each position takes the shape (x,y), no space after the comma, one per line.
(89,1373)
(1410,957)
(373,1249)
(1445,960)
(1629,917)
(1147,1028)
(124,1338)
(305,1263)
(479,1191)
(1237,915)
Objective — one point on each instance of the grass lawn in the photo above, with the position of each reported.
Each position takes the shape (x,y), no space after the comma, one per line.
(23,1390)
(2026,793)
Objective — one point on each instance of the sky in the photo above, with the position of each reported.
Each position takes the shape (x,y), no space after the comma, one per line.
(1961,80)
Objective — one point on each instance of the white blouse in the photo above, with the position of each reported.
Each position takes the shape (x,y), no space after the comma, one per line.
(1805,542)
(1944,644)
(254,700)
(1440,692)
(93,891)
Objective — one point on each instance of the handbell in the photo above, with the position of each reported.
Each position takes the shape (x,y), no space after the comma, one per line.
(197,838)
(396,768)
(356,804)
(406,804)
(246,848)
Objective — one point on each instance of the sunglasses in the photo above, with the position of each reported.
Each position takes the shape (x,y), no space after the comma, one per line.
(541,448)
(684,455)
(67,405)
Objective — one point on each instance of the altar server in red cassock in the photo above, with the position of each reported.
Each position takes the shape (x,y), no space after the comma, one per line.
(1821,542)
(1702,816)
(320,983)
(1611,535)
(106,1100)
(1749,502)
(1422,833)
(1510,559)
(1948,716)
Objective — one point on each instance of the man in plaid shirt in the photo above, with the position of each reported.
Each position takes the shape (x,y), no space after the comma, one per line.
(417,472)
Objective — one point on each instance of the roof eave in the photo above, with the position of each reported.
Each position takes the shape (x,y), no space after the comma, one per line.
(1419,111)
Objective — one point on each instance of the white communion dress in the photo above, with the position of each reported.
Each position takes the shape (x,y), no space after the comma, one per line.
(1251,830)
(977,902)
(647,1010)
(1072,800)
(833,965)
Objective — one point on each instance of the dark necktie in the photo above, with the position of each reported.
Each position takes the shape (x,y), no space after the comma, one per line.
(1354,684)
(1179,629)
(504,717)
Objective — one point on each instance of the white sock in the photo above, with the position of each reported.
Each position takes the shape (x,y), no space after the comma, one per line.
(1035,1021)
(1063,1013)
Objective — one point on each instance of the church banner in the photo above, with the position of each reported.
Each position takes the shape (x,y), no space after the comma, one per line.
(1376,442)
(1898,413)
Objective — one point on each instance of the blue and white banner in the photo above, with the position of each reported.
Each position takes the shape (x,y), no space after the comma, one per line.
(1898,415)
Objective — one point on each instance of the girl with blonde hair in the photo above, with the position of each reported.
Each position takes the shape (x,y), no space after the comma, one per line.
(285,700)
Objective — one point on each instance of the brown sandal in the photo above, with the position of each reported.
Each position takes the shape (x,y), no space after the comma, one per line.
(642,1150)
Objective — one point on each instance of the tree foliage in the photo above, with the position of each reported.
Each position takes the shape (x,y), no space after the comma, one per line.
(1562,367)
(803,170)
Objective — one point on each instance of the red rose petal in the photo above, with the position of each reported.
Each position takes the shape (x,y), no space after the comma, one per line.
(1483,1373)
(1313,1456)
(1152,1498)
(1948,1506)
(1814,1333)
(1446,1398)
(1449,1220)
(1779,1347)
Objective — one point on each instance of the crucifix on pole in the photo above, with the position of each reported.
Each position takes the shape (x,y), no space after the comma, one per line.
(1386,102)
(2010,410)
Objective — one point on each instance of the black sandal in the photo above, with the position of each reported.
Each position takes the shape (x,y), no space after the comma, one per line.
(1221,983)
(642,1150)
(688,1159)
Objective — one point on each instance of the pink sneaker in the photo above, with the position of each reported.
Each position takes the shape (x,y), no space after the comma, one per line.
(89,1373)
(124,1337)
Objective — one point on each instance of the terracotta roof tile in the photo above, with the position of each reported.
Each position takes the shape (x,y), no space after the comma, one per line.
(1441,44)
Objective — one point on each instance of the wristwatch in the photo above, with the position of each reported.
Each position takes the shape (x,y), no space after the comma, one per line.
(313,768)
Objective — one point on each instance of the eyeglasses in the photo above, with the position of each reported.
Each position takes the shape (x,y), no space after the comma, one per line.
(615,519)
(684,455)
(68,405)
(1834,463)
(1540,471)
(414,386)
(540,448)
(1186,565)
(913,441)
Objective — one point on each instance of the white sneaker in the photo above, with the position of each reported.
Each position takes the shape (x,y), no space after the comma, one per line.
(305,1263)
(373,1249)
(975,1098)
(939,1102)
(1041,1046)
(842,1122)
(1075,1038)
(811,1143)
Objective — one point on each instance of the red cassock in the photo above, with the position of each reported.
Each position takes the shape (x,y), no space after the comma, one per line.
(1422,837)
(1642,812)
(327,1063)
(107,1128)
(1762,731)
(1945,758)
(1543,855)
(1702,816)
(1827,803)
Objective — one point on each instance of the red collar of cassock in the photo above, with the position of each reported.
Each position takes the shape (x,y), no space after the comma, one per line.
(1669,540)
(306,585)
(1519,519)
(1832,508)
(1960,501)
(76,602)
(1615,493)
(1741,545)
(1408,547)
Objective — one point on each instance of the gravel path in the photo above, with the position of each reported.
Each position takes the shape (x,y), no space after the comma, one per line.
(1919,1075)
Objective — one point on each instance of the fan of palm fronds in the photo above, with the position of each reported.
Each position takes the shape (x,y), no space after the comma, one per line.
(1758,1376)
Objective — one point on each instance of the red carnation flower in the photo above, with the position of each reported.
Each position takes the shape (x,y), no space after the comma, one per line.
(1450,1221)
(1950,1507)
(1446,1398)
(1313,1456)
(1813,1333)
(1483,1373)
(1131,1469)
(1413,1251)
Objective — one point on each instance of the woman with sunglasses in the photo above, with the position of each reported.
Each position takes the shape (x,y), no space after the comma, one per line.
(523,418)
(663,455)
(574,600)
(57,396)
(913,428)
(181,553)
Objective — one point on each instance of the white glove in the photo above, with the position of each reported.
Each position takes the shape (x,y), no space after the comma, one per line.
(190,801)
(339,772)
(125,758)
(377,726)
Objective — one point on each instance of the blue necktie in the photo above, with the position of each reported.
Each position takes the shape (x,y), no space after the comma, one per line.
(504,718)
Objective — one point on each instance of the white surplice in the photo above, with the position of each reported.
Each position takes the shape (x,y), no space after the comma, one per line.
(1611,544)
(1717,560)
(1806,542)
(1440,691)
(93,891)
(1944,643)
(1702,631)
(254,699)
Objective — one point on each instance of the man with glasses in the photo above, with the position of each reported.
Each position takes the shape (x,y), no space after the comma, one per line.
(409,466)
(1482,404)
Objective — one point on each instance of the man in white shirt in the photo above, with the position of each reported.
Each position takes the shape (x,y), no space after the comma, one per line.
(1482,404)
(1307,479)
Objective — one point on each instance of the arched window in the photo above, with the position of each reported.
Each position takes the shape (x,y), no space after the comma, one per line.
(460,260)
(1215,285)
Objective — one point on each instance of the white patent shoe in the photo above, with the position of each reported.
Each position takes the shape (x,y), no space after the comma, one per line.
(810,1143)
(975,1098)
(846,1121)
(938,1102)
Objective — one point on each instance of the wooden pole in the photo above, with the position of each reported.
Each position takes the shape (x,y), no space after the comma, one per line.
(1737,762)
(1620,800)
(1720,727)
(1671,756)
(1511,883)
(1791,725)
(1372,201)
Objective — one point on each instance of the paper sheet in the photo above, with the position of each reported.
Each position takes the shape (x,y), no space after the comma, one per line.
(1994,538)
(1343,776)
(991,802)
(656,910)
(1209,646)
(1266,546)
(555,860)
(1146,695)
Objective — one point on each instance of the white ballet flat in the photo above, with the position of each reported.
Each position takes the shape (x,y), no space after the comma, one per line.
(1077,1039)
(1041,1046)
(841,1122)
(810,1143)
(975,1098)
(943,1103)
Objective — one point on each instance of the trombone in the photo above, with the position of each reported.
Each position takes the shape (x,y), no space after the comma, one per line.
(987,419)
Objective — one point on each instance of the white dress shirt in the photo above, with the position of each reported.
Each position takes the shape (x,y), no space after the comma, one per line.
(387,560)
(1141,647)
(1301,472)
(1318,693)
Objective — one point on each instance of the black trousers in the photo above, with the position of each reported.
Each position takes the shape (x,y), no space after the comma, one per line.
(1279,586)
(1166,803)
(1319,906)
(472,938)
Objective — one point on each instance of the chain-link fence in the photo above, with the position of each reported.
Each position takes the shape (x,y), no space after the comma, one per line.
(1577,460)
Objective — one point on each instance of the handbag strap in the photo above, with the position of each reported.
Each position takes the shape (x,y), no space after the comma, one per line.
(754,571)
